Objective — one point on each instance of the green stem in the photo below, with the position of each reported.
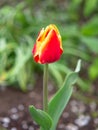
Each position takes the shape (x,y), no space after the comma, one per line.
(45,88)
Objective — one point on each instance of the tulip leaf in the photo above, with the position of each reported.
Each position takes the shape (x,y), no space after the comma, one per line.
(90,6)
(41,118)
(91,42)
(61,98)
(90,28)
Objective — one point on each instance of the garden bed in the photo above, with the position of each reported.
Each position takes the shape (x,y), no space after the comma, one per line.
(80,114)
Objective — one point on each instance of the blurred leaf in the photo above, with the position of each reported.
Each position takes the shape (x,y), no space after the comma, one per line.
(76,2)
(22,78)
(90,6)
(91,42)
(56,74)
(58,71)
(83,84)
(19,67)
(75,52)
(91,27)
(93,69)
(2,44)
(68,31)
(21,23)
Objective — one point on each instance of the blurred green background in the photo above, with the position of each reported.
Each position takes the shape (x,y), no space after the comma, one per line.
(20,22)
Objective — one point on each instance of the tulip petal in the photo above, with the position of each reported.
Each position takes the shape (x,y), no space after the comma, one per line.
(48,46)
(51,51)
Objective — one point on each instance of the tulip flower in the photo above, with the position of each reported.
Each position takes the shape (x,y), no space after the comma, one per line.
(48,46)
(48,49)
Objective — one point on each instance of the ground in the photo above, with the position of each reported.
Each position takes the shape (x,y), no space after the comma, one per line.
(80,114)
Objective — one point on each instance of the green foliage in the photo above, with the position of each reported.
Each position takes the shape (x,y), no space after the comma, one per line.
(90,6)
(57,104)
(92,43)
(90,28)
(93,69)
(15,47)
(60,100)
(41,117)
(77,21)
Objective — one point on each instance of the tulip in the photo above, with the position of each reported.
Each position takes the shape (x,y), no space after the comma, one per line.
(48,46)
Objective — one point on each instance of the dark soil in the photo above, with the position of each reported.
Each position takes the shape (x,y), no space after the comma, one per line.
(80,114)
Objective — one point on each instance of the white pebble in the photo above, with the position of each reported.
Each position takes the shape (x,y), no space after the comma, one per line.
(21,107)
(61,126)
(65,115)
(96,121)
(82,120)
(5,125)
(77,107)
(24,126)
(71,127)
(31,128)
(14,116)
(14,110)
(13,128)
(93,106)
(6,120)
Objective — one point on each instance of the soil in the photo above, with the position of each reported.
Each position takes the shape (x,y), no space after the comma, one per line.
(81,112)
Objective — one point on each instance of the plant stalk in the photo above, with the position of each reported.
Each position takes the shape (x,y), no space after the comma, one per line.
(45,88)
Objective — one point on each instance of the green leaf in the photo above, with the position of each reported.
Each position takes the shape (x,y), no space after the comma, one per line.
(56,74)
(91,42)
(41,117)
(91,27)
(75,52)
(61,98)
(76,2)
(69,31)
(93,69)
(90,6)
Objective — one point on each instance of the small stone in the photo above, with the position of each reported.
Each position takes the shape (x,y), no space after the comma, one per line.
(6,120)
(14,110)
(24,126)
(21,107)
(73,103)
(13,128)
(5,125)
(72,127)
(65,115)
(31,128)
(74,109)
(32,94)
(93,106)
(14,116)
(96,121)
(82,120)
(61,126)
(77,107)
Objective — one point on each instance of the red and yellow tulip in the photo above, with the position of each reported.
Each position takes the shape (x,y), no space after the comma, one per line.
(48,46)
